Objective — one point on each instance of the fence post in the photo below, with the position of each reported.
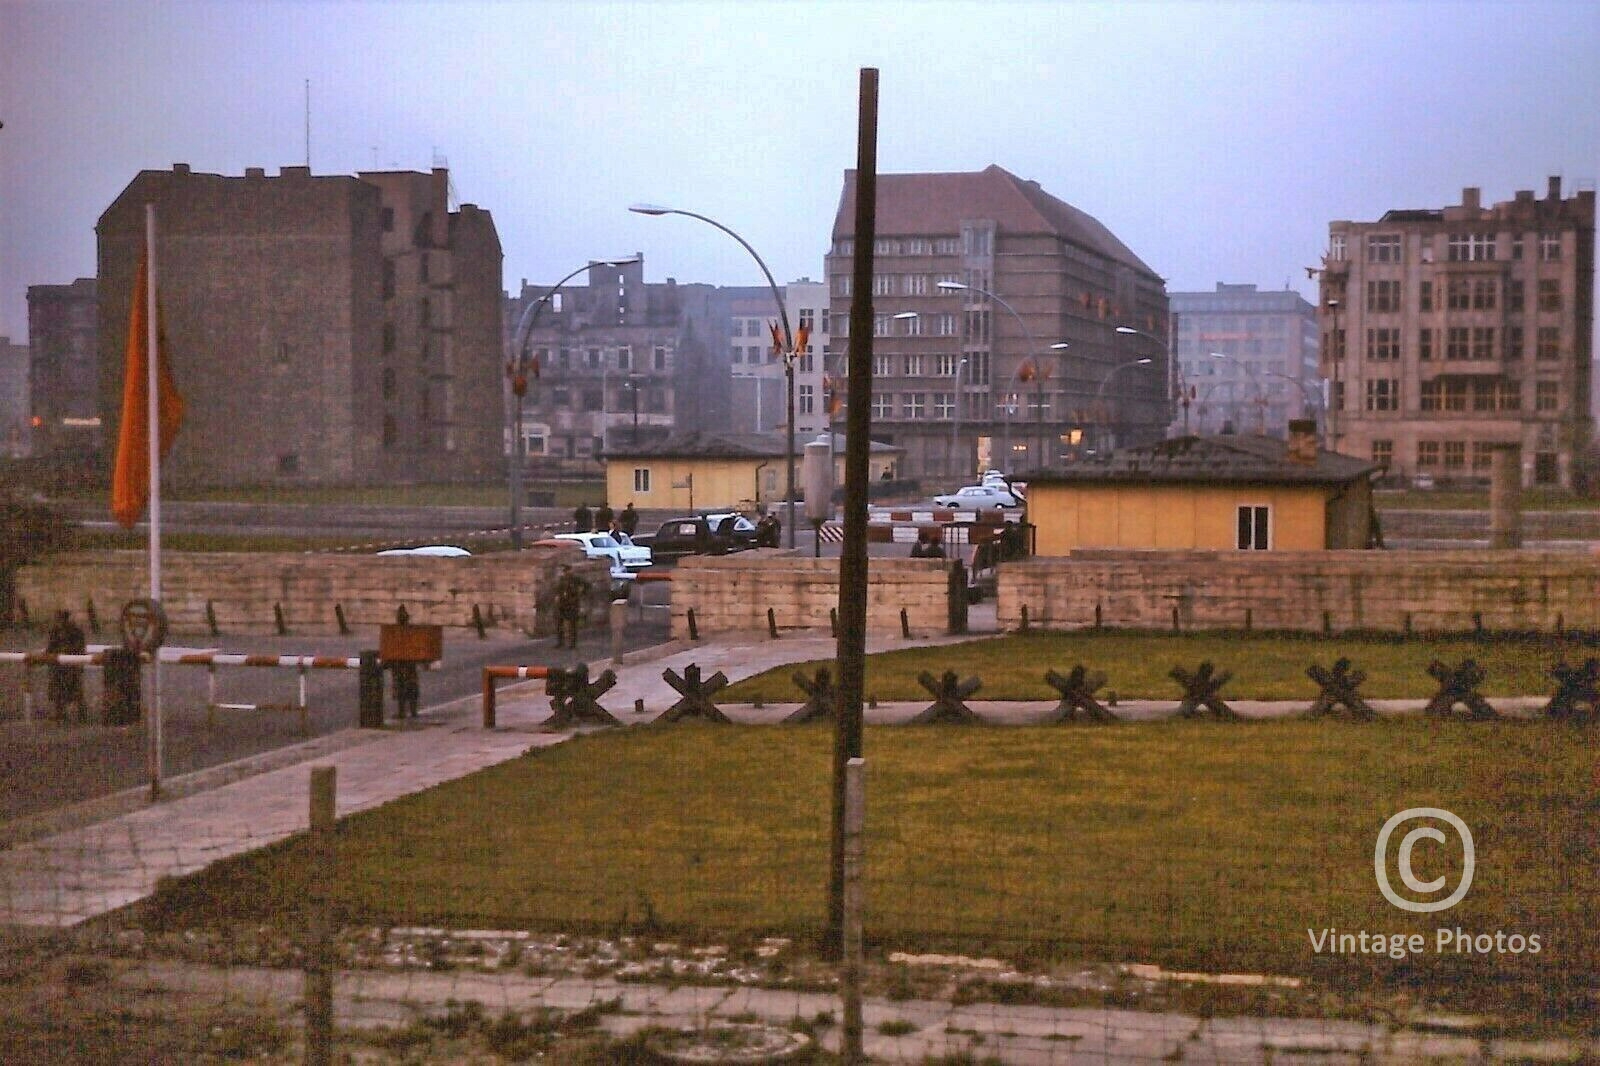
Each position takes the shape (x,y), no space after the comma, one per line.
(305,714)
(369,714)
(488,699)
(319,947)
(855,810)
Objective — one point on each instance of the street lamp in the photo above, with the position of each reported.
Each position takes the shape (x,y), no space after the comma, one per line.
(1261,395)
(517,372)
(1099,393)
(788,352)
(1033,346)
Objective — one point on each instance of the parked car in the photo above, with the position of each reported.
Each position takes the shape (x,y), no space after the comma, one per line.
(979,498)
(443,550)
(634,556)
(705,534)
(604,546)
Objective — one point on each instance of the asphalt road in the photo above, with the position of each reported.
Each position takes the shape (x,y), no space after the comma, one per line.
(43,766)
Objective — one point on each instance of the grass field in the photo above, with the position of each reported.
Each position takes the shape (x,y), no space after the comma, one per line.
(1187,844)
(1265,666)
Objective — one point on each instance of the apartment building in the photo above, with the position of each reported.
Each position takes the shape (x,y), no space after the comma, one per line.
(323,329)
(1247,360)
(996,309)
(1448,331)
(15,432)
(759,385)
(64,368)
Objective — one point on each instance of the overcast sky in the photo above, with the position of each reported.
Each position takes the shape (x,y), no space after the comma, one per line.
(1216,139)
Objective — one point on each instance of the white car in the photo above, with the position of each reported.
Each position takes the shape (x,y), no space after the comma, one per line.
(443,550)
(634,556)
(605,546)
(978,498)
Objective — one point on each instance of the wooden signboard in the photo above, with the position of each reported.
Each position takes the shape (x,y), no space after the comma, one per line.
(410,643)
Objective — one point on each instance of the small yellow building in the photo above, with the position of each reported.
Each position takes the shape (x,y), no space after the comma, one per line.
(690,472)
(1216,493)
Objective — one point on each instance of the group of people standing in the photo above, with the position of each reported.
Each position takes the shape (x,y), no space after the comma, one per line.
(604,520)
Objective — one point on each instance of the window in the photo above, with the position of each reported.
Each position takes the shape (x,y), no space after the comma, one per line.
(882,325)
(1482,342)
(594,400)
(564,359)
(1333,344)
(1483,294)
(1383,248)
(944,325)
(1482,451)
(944,405)
(737,328)
(1549,342)
(1255,527)
(952,279)
(947,366)
(1458,294)
(844,246)
(882,405)
(1513,342)
(807,361)
(1383,394)
(1383,296)
(1547,396)
(1427,454)
(976,241)
(1425,343)
(826,320)
(914,405)
(593,361)
(1516,246)
(641,479)
(1546,466)
(885,246)
(1549,247)
(841,284)
(1471,247)
(978,326)
(737,354)
(1383,344)
(808,318)
(916,246)
(882,366)
(1549,294)
(883,284)
(1457,342)
(946,246)
(660,356)
(913,326)
(1455,454)
(1425,296)
(915,285)
(1383,452)
(625,357)
(1443,394)
(1514,295)
(805,399)
(1336,396)
(913,366)
(1336,247)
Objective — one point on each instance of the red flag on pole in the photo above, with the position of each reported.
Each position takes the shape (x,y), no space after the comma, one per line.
(130,481)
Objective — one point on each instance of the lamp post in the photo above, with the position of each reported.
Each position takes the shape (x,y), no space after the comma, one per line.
(1033,347)
(517,372)
(1261,395)
(1308,407)
(1099,393)
(788,352)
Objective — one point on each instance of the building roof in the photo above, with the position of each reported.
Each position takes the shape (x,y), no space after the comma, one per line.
(698,445)
(1211,460)
(930,204)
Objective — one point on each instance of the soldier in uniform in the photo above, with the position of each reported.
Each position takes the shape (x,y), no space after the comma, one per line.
(66,682)
(572,592)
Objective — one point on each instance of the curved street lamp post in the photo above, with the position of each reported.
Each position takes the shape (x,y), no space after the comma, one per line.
(517,373)
(1261,394)
(788,352)
(1099,393)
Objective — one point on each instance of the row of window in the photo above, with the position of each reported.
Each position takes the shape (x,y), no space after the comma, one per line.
(1463,294)
(1459,247)
(652,398)
(758,327)
(915,284)
(598,358)
(973,241)
(1440,454)
(1453,343)
(1456,394)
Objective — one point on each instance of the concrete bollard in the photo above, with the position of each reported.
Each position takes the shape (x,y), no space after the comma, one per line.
(1505,489)
(619,628)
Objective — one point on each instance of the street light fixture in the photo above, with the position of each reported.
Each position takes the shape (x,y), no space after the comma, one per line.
(788,353)
(517,373)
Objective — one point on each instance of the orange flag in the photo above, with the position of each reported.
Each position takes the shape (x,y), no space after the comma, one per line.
(130,480)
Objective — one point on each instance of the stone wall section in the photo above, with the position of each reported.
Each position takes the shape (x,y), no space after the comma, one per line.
(1378,590)
(731,593)
(510,590)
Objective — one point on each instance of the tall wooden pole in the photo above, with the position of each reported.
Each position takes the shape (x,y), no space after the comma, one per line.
(852,643)
(153,432)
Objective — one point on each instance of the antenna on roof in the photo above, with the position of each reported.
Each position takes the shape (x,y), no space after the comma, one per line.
(308,123)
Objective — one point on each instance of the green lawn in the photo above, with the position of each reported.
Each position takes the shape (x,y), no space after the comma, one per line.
(1265,666)
(1186,844)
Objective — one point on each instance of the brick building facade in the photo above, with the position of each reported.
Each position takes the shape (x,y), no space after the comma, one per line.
(64,368)
(322,329)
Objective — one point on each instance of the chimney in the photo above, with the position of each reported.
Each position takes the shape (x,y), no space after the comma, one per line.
(1302,445)
(1555,187)
(180,168)
(294,172)
(1469,198)
(254,172)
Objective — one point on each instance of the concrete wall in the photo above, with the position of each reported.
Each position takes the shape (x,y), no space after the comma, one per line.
(1522,590)
(731,593)
(508,589)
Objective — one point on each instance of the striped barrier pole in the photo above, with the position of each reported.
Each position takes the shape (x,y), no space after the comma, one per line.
(493,673)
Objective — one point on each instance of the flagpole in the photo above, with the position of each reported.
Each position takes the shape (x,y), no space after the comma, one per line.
(153,412)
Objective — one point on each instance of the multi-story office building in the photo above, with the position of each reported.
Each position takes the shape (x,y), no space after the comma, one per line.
(996,310)
(1247,360)
(329,329)
(14,413)
(760,401)
(618,358)
(64,368)
(1449,331)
